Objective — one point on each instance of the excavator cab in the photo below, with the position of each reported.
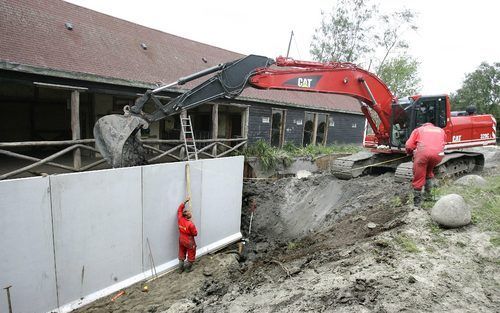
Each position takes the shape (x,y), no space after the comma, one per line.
(408,114)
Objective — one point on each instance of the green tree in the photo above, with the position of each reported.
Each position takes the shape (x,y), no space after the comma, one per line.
(344,33)
(400,74)
(390,35)
(356,32)
(480,88)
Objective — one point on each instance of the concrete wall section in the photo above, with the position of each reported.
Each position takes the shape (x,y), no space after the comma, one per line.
(97,220)
(67,240)
(221,200)
(26,251)
(164,187)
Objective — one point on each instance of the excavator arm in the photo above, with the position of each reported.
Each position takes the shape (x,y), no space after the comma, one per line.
(117,136)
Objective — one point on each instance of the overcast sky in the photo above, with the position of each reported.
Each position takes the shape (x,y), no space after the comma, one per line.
(454,37)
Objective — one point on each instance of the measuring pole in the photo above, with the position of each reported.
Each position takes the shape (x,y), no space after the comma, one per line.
(289,44)
(188,186)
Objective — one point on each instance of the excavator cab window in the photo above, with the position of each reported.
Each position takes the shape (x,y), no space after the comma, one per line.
(430,110)
(401,121)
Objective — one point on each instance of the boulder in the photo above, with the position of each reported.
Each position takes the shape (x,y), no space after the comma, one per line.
(451,211)
(471,181)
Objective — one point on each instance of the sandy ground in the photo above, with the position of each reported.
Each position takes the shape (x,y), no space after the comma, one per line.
(325,245)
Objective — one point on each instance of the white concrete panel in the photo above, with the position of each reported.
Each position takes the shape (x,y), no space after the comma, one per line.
(164,188)
(97,230)
(26,251)
(222,185)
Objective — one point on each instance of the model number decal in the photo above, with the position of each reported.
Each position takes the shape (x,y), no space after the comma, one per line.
(457,138)
(485,136)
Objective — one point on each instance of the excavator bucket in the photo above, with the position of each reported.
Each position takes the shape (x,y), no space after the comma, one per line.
(118,139)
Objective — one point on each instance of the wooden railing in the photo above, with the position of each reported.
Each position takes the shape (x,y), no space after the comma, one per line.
(156,150)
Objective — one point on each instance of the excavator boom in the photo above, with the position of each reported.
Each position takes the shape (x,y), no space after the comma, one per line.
(118,136)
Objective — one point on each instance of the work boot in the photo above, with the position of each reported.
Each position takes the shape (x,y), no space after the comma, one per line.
(417,198)
(428,190)
(181,266)
(189,266)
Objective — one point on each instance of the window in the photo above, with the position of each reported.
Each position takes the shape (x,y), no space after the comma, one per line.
(277,127)
(315,128)
(431,110)
(321,129)
(308,129)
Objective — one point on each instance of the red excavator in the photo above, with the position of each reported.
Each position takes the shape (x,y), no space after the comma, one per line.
(391,120)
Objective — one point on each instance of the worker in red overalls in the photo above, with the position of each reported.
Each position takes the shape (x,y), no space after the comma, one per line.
(187,232)
(426,143)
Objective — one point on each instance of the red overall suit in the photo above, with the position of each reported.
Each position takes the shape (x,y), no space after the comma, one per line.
(187,232)
(427,145)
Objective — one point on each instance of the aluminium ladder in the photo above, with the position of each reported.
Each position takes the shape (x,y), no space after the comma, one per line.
(188,135)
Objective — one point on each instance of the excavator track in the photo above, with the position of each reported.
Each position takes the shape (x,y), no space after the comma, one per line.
(362,162)
(349,167)
(453,164)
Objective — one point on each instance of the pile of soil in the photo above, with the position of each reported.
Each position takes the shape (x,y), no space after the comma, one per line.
(325,245)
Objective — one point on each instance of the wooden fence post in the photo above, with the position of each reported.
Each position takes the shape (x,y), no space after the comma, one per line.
(215,127)
(75,126)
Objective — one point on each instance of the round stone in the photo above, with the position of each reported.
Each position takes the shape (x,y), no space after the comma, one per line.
(471,181)
(451,211)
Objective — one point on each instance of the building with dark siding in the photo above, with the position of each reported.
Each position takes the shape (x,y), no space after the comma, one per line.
(59,60)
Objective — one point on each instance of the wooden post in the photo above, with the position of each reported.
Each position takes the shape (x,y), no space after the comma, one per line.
(215,127)
(315,128)
(244,123)
(75,126)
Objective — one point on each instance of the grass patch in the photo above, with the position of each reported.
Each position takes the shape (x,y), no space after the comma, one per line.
(407,243)
(484,202)
(495,241)
(396,202)
(317,150)
(293,245)
(434,228)
(272,157)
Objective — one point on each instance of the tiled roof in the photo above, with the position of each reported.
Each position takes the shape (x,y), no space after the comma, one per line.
(33,33)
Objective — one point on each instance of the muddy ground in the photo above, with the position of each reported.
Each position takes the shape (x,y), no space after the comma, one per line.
(325,245)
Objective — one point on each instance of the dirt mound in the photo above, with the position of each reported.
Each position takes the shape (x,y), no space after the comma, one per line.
(290,208)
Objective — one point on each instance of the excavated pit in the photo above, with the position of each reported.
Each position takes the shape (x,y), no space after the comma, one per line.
(325,245)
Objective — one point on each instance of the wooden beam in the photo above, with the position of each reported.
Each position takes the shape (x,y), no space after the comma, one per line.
(232,149)
(57,86)
(45,143)
(75,126)
(244,123)
(215,125)
(315,129)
